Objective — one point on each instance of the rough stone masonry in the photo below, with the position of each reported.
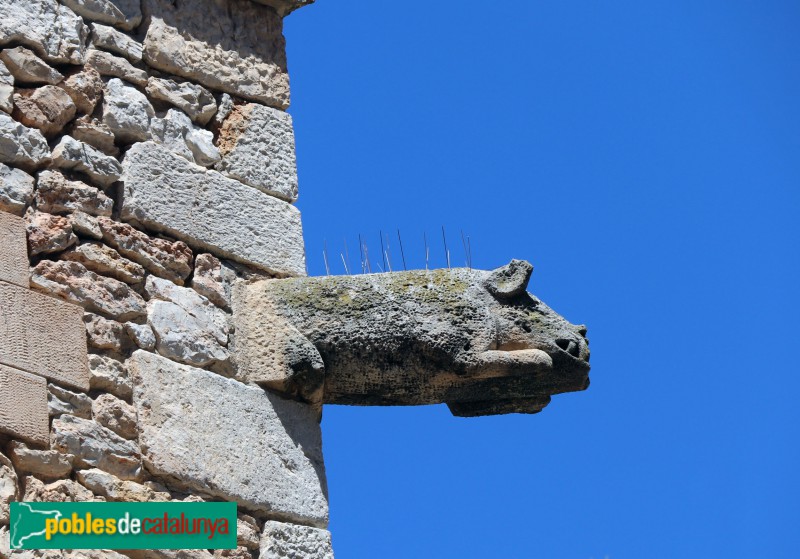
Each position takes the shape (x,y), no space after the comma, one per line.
(158,338)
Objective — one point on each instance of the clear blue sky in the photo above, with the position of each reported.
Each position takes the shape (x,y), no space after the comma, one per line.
(645,157)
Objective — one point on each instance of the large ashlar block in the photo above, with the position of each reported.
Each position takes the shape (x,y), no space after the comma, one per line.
(23,406)
(218,436)
(43,335)
(243,52)
(13,250)
(257,148)
(167,193)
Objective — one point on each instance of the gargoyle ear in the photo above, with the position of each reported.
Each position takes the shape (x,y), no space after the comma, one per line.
(509,280)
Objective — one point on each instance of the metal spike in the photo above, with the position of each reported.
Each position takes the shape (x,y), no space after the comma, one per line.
(402,254)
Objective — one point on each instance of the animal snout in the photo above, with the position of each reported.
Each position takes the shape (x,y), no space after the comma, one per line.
(570,346)
(577,347)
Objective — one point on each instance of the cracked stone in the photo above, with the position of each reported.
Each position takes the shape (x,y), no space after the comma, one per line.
(27,68)
(48,233)
(16,190)
(70,154)
(98,294)
(55,193)
(22,146)
(127,112)
(104,260)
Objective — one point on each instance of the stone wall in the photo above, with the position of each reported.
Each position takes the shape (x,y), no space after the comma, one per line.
(146,166)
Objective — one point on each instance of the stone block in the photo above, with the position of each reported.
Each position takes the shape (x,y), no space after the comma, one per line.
(22,146)
(280,540)
(72,282)
(27,68)
(233,55)
(23,406)
(70,154)
(14,256)
(217,436)
(108,38)
(95,446)
(125,14)
(43,335)
(257,147)
(54,31)
(227,218)
(16,190)
(47,464)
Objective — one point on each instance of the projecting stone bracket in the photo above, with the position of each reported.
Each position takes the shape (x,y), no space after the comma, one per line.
(473,339)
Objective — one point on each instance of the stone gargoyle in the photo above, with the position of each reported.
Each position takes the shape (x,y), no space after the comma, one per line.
(473,339)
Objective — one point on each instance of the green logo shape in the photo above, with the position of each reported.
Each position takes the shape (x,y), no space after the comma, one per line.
(123,525)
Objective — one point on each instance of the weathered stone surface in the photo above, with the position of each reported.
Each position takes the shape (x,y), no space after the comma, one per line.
(195,100)
(104,260)
(409,338)
(177,133)
(47,464)
(5,546)
(168,259)
(108,38)
(225,105)
(61,491)
(102,333)
(27,68)
(93,132)
(48,233)
(247,532)
(61,401)
(169,554)
(285,7)
(280,540)
(9,487)
(95,446)
(16,190)
(240,552)
(55,193)
(125,14)
(6,89)
(257,148)
(230,219)
(70,154)
(141,334)
(48,108)
(178,336)
(188,328)
(21,146)
(52,30)
(92,554)
(85,225)
(28,322)
(110,375)
(281,473)
(23,405)
(127,112)
(115,414)
(14,257)
(73,282)
(201,143)
(115,489)
(233,55)
(85,88)
(111,65)
(213,279)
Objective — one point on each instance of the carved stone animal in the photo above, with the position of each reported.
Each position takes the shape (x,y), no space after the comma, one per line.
(473,339)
